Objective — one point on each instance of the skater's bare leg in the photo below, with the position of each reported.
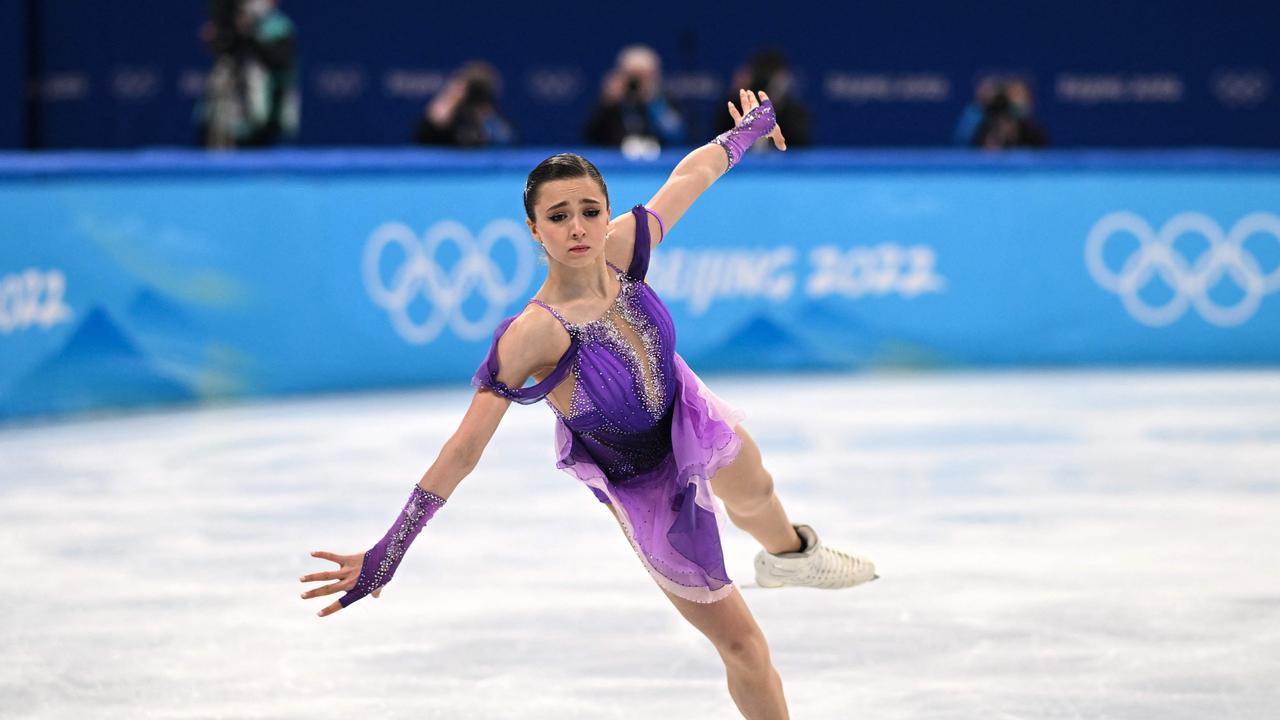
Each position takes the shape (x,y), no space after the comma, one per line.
(753,682)
(747,491)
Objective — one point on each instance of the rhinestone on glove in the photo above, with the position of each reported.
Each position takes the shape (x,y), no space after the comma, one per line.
(754,125)
(380,561)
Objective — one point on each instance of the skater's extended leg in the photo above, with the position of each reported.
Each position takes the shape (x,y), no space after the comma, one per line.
(753,682)
(747,491)
(792,555)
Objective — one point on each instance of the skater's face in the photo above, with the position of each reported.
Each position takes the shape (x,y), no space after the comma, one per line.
(570,219)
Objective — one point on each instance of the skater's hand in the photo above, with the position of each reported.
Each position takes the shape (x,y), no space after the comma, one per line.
(347,573)
(749,102)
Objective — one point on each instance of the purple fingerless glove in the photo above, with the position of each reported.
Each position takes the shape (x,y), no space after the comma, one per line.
(753,126)
(380,561)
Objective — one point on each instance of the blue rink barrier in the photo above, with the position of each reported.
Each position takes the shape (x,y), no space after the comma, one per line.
(160,277)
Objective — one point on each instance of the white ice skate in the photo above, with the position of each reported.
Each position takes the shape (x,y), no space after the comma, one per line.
(815,565)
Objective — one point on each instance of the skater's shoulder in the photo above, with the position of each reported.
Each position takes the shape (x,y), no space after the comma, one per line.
(534,338)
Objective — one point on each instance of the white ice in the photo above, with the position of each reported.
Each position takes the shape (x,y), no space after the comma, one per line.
(1051,545)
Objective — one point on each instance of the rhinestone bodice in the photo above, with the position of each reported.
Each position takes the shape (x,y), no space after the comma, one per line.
(605,347)
(622,381)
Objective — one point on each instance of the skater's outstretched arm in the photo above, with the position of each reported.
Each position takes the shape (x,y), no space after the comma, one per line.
(531,344)
(699,169)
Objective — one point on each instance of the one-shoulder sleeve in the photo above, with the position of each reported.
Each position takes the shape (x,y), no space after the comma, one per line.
(640,255)
(486,377)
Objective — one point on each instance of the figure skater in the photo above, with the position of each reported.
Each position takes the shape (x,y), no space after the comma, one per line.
(633,422)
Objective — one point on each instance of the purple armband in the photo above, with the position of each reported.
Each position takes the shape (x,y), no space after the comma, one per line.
(380,561)
(753,126)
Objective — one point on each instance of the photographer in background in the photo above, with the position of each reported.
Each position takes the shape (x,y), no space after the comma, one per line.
(465,113)
(973,113)
(1006,118)
(632,113)
(769,70)
(251,98)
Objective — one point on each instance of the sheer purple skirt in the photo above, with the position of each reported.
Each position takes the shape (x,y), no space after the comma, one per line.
(670,514)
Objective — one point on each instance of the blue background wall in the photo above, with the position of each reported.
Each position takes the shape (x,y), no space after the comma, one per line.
(1106,72)
(168,277)
(13,72)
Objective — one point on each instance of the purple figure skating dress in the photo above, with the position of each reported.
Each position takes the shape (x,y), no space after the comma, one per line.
(641,429)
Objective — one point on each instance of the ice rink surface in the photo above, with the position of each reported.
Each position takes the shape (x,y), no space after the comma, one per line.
(1050,545)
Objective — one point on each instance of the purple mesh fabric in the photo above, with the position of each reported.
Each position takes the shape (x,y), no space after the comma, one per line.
(753,126)
(380,561)
(642,431)
(486,377)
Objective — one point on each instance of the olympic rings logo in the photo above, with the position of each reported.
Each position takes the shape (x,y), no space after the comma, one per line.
(1191,282)
(444,291)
